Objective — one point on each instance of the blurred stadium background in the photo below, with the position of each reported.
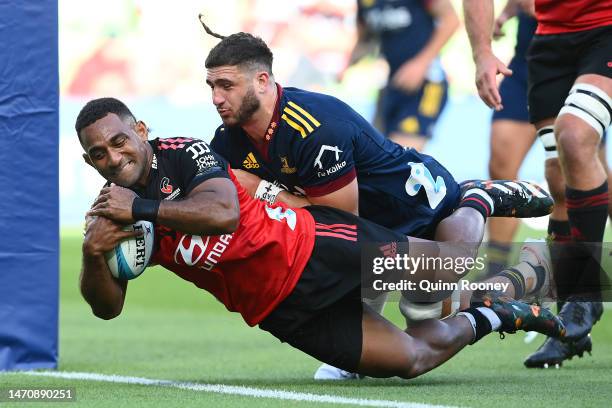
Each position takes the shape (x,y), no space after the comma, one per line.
(152,55)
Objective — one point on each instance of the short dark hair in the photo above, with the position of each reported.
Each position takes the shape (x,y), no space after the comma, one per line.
(241,49)
(97,109)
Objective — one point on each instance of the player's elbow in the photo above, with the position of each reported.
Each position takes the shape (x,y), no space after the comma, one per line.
(230,218)
(106,313)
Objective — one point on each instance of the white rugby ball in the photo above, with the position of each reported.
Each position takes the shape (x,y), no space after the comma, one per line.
(131,256)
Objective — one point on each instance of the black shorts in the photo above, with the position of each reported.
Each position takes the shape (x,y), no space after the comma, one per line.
(556,60)
(322,315)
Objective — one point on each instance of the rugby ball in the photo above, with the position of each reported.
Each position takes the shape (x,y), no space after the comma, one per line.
(131,256)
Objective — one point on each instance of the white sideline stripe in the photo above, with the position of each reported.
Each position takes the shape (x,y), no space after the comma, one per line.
(229,389)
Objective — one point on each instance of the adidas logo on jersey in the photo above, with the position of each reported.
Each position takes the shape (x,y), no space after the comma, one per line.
(250,162)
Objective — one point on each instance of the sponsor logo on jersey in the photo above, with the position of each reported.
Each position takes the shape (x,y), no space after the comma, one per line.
(421,177)
(165,186)
(154,162)
(216,252)
(285,168)
(326,148)
(333,169)
(250,162)
(206,162)
(299,119)
(198,149)
(173,195)
(190,249)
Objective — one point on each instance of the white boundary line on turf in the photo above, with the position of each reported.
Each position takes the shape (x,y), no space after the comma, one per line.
(228,389)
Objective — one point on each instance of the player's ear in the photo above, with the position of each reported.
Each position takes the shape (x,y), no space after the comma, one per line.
(88,160)
(262,78)
(142,130)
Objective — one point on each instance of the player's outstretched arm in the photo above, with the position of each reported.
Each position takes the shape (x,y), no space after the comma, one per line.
(479,25)
(211,208)
(101,290)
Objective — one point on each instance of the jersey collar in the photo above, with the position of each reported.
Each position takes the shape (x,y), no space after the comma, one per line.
(274,122)
(272,126)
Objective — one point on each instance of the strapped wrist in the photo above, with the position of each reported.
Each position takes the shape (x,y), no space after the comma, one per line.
(267,191)
(143,209)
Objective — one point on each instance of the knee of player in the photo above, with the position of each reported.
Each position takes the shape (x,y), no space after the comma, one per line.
(576,139)
(500,168)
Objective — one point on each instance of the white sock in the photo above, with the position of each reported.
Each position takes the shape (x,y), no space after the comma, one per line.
(470,318)
(491,317)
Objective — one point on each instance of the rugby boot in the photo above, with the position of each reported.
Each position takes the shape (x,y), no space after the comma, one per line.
(515,315)
(329,372)
(553,352)
(508,198)
(579,318)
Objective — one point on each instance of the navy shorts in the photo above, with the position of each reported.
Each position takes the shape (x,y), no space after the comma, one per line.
(513,91)
(413,114)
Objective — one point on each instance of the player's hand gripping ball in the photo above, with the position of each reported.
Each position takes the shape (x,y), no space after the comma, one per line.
(131,256)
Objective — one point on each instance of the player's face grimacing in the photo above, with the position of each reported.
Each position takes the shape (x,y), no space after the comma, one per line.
(117,149)
(233,94)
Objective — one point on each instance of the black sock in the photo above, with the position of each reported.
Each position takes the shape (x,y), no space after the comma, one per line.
(559,230)
(498,253)
(588,212)
(480,324)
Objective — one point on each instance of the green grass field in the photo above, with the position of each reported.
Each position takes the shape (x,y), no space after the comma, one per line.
(170,330)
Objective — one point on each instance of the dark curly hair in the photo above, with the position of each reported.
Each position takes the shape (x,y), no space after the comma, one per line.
(97,109)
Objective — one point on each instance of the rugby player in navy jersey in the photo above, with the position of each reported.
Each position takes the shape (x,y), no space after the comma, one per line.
(305,148)
(276,266)
(411,34)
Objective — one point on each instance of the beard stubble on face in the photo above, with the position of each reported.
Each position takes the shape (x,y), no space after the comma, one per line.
(249,105)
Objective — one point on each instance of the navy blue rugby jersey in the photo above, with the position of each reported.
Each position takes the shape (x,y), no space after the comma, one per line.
(317,144)
(403,26)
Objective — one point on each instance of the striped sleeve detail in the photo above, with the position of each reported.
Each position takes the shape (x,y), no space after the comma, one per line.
(299,119)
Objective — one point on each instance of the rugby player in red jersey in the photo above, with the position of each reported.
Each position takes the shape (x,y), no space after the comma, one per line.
(570,98)
(294,272)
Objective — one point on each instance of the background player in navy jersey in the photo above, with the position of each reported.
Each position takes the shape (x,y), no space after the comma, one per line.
(319,151)
(278,267)
(411,34)
(570,98)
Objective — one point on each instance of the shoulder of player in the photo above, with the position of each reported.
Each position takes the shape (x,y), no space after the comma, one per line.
(179,146)
(310,112)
